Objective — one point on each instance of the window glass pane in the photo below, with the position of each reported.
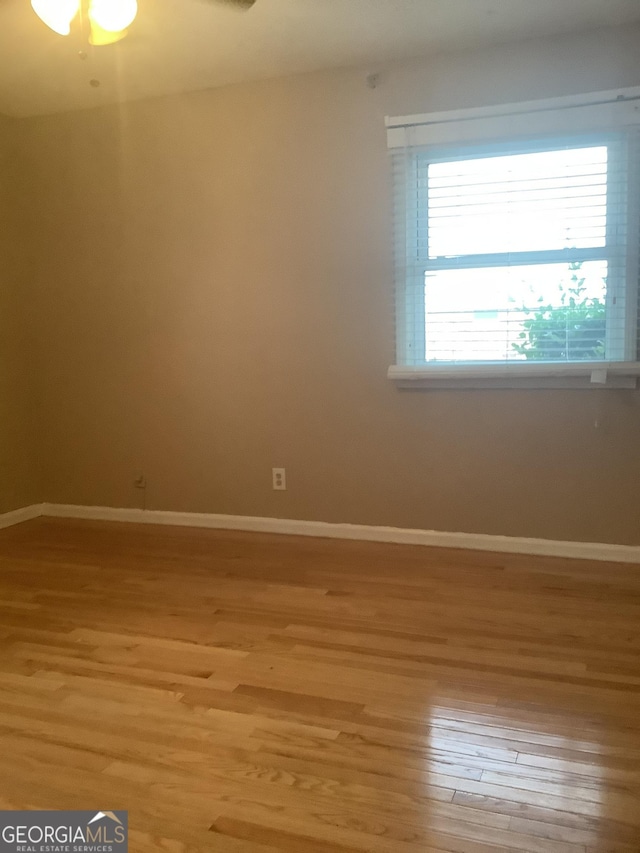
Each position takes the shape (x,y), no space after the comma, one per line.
(549,312)
(518,203)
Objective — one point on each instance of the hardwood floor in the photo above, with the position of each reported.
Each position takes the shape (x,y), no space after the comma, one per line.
(256,693)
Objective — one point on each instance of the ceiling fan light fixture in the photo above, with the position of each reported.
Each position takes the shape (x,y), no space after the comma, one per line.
(57,14)
(112,16)
(99,37)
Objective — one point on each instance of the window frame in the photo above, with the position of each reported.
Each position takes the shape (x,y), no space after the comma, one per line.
(601,119)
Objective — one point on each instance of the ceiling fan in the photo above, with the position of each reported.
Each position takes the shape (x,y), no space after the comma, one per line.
(108,20)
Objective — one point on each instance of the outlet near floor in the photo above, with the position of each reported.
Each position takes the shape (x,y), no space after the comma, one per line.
(279,478)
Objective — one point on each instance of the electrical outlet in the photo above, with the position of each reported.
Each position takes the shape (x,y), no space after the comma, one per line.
(279,476)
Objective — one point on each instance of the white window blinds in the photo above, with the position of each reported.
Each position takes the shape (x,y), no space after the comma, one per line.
(518,247)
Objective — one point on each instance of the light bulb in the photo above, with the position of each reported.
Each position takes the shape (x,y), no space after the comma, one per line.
(98,36)
(57,14)
(113,15)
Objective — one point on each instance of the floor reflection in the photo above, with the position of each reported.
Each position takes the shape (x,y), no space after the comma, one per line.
(534,777)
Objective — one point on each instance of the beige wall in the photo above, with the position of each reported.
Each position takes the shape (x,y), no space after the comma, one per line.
(213,291)
(19,484)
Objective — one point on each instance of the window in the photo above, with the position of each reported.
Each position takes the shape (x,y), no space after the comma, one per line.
(517,242)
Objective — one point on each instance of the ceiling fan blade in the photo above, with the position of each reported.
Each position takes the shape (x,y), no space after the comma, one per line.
(238,4)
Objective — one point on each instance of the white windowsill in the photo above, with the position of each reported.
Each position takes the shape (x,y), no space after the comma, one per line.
(532,375)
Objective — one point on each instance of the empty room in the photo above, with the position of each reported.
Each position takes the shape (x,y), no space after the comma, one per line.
(319,426)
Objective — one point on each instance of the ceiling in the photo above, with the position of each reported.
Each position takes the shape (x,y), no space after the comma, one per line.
(186,45)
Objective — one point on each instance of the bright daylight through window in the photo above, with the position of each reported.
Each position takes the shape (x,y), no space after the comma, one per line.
(520,251)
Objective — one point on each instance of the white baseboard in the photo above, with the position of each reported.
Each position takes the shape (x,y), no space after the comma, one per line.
(433,538)
(328,530)
(16,516)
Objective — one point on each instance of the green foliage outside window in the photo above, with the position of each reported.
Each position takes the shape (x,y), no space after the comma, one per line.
(573,330)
